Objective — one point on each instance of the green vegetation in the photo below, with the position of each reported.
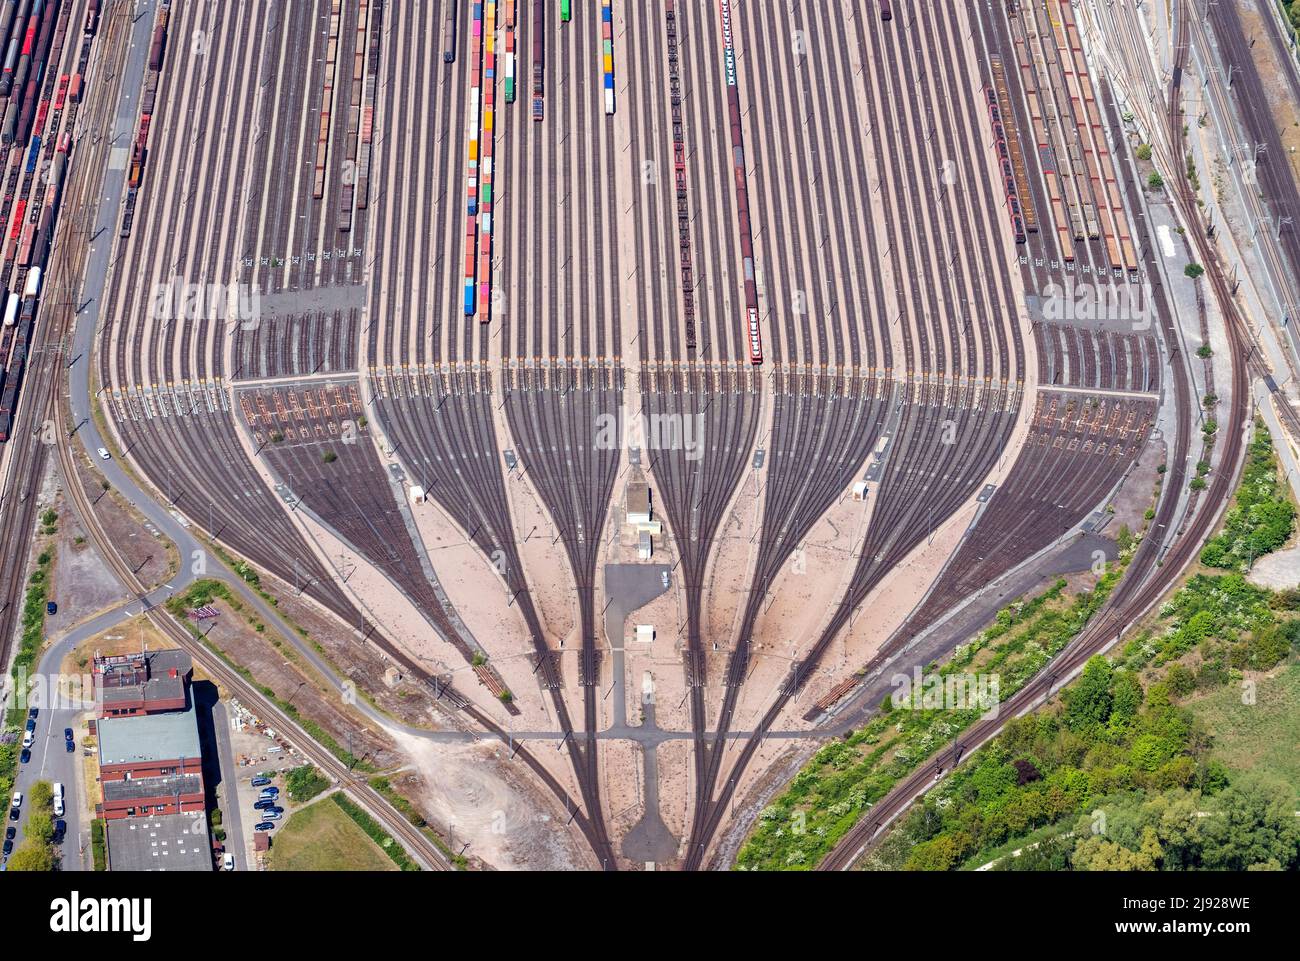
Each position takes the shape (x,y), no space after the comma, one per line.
(37,852)
(322,837)
(1261,518)
(1155,181)
(329,457)
(304,783)
(408,811)
(205,591)
(97,849)
(29,643)
(846,777)
(377,833)
(1143,151)
(1118,775)
(1194,271)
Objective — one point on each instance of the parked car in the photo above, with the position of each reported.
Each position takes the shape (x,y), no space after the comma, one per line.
(51,608)
(31,723)
(28,740)
(25,756)
(8,847)
(10,833)
(272,815)
(663,578)
(67,734)
(270,792)
(70,746)
(32,712)
(263,803)
(60,831)
(261,780)
(264,826)
(103,453)
(227,862)
(58,799)
(17,802)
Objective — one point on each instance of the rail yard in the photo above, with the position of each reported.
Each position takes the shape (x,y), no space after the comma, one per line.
(644,384)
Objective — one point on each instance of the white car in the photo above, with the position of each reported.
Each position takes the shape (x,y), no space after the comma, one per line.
(104,454)
(663,577)
(228,861)
(28,739)
(58,806)
(17,801)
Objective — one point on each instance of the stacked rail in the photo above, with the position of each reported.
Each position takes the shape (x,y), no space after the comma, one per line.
(43,106)
(488,144)
(140,149)
(754,334)
(327,99)
(1007,117)
(679,179)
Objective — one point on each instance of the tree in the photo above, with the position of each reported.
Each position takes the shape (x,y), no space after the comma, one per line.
(1097,854)
(1256,826)
(1155,181)
(32,856)
(1089,699)
(1143,151)
(41,795)
(39,827)
(1193,270)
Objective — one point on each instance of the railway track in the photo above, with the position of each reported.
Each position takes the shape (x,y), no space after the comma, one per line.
(942,359)
(394,822)
(26,453)
(1152,571)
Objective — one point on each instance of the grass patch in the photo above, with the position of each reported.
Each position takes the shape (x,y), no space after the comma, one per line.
(322,837)
(377,834)
(1259,737)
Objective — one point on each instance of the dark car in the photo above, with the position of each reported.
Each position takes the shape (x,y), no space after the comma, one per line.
(264,826)
(9,846)
(33,711)
(13,813)
(260,780)
(25,756)
(69,746)
(270,792)
(274,810)
(60,831)
(67,734)
(10,833)
(51,608)
(263,804)
(31,724)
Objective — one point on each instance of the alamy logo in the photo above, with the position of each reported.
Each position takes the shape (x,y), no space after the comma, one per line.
(179,300)
(73,914)
(1116,303)
(656,432)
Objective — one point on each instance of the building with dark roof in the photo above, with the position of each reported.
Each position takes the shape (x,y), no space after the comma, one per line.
(173,842)
(148,682)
